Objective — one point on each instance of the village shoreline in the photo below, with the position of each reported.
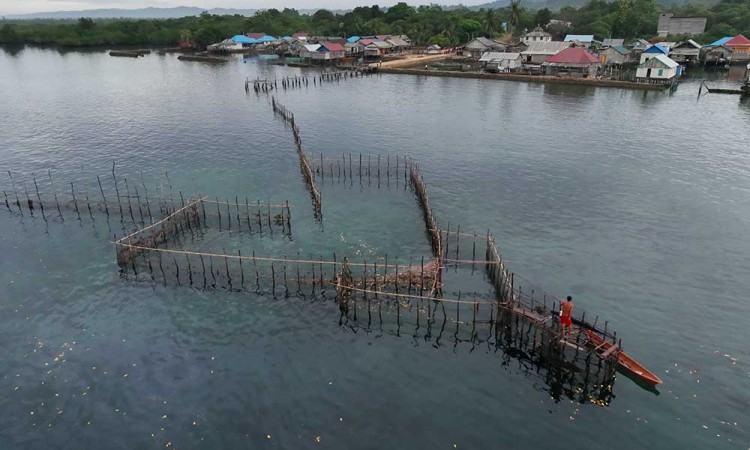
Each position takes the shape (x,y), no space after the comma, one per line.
(403,70)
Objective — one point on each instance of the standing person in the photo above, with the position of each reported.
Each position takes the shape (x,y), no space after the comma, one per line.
(566,313)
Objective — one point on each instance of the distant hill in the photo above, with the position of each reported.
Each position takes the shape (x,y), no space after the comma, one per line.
(556,5)
(145,13)
(140,13)
(184,11)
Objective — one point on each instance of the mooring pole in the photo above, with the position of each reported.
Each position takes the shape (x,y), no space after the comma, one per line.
(75,202)
(39,197)
(242,271)
(218,211)
(18,201)
(104,199)
(117,190)
(54,191)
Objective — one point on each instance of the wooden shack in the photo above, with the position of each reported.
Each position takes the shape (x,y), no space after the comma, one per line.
(614,55)
(686,52)
(573,61)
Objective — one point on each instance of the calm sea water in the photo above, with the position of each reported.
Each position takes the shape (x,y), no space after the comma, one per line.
(636,203)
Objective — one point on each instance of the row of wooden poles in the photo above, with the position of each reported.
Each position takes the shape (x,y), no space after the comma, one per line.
(192,217)
(307,172)
(297,81)
(138,209)
(161,246)
(400,286)
(377,289)
(513,296)
(367,167)
(131,202)
(574,371)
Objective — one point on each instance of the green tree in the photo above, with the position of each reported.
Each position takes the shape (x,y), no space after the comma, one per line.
(469,29)
(600,29)
(489,23)
(399,11)
(208,35)
(515,16)
(542,17)
(440,40)
(8,34)
(85,25)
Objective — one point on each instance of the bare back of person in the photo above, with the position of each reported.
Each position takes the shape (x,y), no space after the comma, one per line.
(567,308)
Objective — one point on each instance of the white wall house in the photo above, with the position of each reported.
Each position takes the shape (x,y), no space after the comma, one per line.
(659,69)
(501,62)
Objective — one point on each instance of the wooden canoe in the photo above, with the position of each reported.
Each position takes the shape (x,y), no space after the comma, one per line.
(625,361)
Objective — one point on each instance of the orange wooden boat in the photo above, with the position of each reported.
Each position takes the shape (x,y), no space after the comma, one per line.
(625,361)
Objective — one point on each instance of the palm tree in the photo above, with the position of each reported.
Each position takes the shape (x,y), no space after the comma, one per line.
(515,15)
(450,31)
(489,23)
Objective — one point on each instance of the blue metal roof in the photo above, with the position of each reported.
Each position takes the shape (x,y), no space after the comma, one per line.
(242,39)
(287,38)
(721,41)
(658,48)
(353,39)
(579,38)
(267,39)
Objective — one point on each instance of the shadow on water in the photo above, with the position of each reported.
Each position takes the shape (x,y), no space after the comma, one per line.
(568,90)
(642,384)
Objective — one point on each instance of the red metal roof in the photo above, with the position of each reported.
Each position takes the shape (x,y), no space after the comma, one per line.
(738,40)
(366,41)
(333,47)
(255,35)
(573,55)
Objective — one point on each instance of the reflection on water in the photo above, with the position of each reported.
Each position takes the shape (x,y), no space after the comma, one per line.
(12,50)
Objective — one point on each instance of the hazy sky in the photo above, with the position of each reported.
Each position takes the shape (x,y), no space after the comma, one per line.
(28,6)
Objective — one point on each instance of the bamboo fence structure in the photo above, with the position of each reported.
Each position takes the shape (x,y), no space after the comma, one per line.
(307,173)
(135,207)
(265,85)
(496,312)
(392,169)
(570,368)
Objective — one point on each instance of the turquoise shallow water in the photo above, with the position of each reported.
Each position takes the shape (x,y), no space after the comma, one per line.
(636,203)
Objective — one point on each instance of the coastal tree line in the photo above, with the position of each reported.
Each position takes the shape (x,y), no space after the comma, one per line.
(424,24)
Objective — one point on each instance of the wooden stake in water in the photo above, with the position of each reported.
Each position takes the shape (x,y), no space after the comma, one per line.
(229,216)
(39,197)
(18,201)
(29,202)
(257,278)
(190,269)
(242,270)
(117,190)
(104,199)
(127,193)
(138,198)
(7,204)
(203,265)
(75,202)
(237,208)
(421,279)
(226,267)
(54,191)
(218,211)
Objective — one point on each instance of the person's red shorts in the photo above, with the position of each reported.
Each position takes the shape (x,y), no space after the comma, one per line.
(566,320)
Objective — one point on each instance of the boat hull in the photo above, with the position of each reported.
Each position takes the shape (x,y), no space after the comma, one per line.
(625,361)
